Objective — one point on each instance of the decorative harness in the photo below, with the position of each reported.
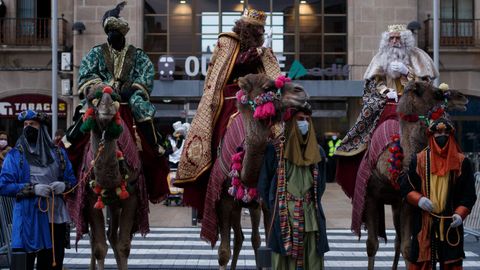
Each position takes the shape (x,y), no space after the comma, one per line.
(263,108)
(112,131)
(396,158)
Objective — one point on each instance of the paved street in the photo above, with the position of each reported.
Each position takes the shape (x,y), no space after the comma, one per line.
(175,244)
(181,248)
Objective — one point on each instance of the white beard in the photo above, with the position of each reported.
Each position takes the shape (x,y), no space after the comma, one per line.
(393,54)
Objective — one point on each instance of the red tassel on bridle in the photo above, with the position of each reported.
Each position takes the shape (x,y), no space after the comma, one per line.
(123,193)
(99,204)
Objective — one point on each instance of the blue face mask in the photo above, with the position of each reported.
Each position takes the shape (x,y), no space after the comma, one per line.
(303,126)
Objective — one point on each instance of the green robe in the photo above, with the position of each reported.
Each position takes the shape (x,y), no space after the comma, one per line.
(129,69)
(300,182)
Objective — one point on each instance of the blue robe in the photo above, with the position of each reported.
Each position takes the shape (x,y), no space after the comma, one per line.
(30,226)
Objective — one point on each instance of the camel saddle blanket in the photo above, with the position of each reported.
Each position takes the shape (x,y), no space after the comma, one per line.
(234,137)
(77,204)
(380,140)
(196,156)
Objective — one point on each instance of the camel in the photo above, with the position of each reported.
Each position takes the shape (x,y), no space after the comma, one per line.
(115,184)
(419,99)
(253,139)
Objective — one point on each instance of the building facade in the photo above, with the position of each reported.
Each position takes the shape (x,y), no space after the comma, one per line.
(332,41)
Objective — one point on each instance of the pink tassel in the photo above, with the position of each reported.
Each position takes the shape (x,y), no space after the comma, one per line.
(281,80)
(264,111)
(235,181)
(237,166)
(239,95)
(240,193)
(237,158)
(258,114)
(269,109)
(252,193)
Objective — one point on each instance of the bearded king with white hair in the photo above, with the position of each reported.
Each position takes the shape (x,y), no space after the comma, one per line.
(397,62)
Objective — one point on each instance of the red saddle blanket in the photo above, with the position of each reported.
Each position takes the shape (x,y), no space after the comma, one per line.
(379,142)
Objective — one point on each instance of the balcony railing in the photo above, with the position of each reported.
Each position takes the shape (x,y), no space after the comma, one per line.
(463,33)
(30,32)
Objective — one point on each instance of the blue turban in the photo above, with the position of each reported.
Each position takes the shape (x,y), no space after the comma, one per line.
(33,115)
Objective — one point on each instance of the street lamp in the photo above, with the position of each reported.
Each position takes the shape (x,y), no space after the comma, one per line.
(78,27)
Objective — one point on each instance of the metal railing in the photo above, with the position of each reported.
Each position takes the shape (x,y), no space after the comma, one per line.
(465,32)
(475,159)
(472,223)
(30,32)
(6,218)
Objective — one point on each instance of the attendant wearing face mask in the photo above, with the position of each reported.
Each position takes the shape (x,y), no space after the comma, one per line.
(4,147)
(298,238)
(441,185)
(37,172)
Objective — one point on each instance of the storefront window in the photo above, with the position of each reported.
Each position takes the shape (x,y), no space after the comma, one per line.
(313,32)
(155,7)
(335,7)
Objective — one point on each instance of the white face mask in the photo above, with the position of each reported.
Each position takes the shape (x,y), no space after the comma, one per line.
(334,137)
(303,126)
(3,143)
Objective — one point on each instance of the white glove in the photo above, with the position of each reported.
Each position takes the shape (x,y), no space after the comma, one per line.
(58,187)
(42,190)
(392,95)
(425,204)
(457,221)
(399,67)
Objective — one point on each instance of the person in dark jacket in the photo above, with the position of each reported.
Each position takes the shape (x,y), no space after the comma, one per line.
(440,182)
(293,194)
(37,172)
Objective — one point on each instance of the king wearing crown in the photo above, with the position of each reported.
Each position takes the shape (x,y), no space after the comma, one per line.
(236,54)
(396,63)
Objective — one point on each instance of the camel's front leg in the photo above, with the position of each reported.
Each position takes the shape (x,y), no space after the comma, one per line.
(112,232)
(236,222)
(396,208)
(127,220)
(255,214)
(224,211)
(371,221)
(406,231)
(97,236)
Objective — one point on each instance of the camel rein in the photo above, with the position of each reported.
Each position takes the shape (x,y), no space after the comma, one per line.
(448,230)
(281,139)
(279,156)
(100,149)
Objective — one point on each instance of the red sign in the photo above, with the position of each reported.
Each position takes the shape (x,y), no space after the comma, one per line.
(13,105)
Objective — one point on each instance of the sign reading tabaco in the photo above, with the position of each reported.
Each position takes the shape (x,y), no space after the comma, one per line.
(13,105)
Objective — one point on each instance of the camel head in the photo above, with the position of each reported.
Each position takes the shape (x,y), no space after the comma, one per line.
(103,113)
(421,98)
(258,88)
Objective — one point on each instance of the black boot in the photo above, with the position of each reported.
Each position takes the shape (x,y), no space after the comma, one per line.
(150,134)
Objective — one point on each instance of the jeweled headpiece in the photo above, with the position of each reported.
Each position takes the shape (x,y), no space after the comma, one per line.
(441,124)
(397,28)
(254,16)
(112,21)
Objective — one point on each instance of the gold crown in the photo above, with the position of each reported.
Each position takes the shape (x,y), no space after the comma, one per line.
(254,16)
(397,28)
